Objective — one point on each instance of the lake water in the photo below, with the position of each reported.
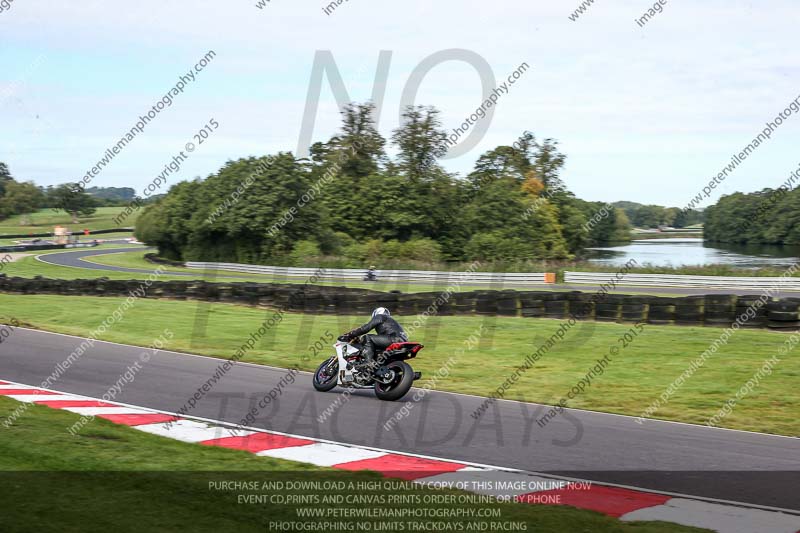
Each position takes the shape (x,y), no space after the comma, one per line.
(691,251)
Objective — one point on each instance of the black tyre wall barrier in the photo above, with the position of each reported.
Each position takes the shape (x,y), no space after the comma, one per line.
(153,258)
(783,314)
(712,310)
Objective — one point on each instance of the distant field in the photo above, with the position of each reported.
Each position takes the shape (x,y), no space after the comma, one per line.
(29,267)
(44,220)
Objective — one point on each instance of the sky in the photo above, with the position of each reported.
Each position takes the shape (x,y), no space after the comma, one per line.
(647,114)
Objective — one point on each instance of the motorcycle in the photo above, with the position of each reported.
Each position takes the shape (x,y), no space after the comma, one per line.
(391,376)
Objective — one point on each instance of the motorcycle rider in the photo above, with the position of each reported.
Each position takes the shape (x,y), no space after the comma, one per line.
(388,332)
(371,274)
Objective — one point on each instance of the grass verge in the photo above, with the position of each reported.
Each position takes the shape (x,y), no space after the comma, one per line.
(635,377)
(29,267)
(114,478)
(43,221)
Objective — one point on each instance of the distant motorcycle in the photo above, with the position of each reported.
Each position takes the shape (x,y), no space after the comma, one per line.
(370,275)
(391,377)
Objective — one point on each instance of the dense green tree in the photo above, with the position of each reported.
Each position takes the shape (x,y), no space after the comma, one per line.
(685,218)
(779,224)
(5,177)
(547,164)
(501,210)
(174,224)
(650,216)
(621,231)
(516,162)
(359,148)
(350,201)
(499,163)
(21,199)
(252,210)
(572,215)
(653,216)
(112,196)
(68,197)
(420,139)
(764,217)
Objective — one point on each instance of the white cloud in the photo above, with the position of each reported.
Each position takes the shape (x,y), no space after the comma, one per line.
(646,114)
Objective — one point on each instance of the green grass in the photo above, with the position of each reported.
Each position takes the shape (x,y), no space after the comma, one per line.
(115,478)
(635,378)
(135,259)
(115,236)
(44,220)
(29,267)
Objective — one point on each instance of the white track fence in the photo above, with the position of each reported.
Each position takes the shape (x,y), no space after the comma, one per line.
(700,282)
(349,274)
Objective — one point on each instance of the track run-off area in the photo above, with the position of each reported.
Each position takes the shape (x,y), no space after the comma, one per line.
(717,464)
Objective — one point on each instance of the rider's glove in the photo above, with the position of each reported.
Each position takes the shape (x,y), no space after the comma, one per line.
(344,338)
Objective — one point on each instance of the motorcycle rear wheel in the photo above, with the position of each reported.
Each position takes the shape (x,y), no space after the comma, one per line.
(325,375)
(400,384)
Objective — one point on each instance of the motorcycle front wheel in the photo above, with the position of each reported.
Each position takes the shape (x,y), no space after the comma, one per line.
(400,383)
(325,376)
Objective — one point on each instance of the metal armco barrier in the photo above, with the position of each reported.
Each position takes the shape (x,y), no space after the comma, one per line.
(337,274)
(669,280)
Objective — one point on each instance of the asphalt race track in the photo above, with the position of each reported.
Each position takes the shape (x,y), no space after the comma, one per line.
(680,458)
(75,258)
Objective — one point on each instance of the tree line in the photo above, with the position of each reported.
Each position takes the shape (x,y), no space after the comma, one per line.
(656,216)
(25,198)
(769,216)
(513,206)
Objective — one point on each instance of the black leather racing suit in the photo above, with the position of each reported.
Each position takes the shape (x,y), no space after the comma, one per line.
(388,331)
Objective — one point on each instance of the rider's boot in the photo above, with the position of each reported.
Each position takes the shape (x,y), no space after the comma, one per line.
(368,353)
